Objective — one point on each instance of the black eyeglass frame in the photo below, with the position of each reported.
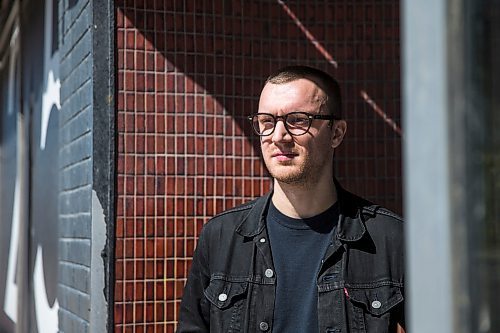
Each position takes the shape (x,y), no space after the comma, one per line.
(284,117)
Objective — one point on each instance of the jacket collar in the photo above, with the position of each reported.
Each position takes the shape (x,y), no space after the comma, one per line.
(255,221)
(350,227)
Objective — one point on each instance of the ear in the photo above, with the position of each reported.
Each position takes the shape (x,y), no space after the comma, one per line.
(339,129)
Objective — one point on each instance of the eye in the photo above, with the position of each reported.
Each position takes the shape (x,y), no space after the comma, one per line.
(298,120)
(265,121)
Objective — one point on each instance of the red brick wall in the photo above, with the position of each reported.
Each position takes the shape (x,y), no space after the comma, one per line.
(188,74)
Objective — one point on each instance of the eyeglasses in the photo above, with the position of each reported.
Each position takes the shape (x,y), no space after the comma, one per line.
(296,123)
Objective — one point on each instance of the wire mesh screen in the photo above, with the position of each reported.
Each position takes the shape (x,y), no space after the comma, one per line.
(189,72)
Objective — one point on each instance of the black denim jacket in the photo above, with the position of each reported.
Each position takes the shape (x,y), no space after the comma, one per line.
(231,285)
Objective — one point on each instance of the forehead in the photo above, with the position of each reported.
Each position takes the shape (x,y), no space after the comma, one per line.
(297,95)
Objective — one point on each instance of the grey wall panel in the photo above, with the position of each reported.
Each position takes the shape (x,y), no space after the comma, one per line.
(75,166)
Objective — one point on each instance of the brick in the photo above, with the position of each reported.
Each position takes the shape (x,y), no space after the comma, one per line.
(75,251)
(76,102)
(77,150)
(75,226)
(80,124)
(75,201)
(70,322)
(76,79)
(78,174)
(74,276)
(76,22)
(78,52)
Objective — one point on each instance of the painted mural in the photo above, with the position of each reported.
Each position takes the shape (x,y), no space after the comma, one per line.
(37,114)
(9,203)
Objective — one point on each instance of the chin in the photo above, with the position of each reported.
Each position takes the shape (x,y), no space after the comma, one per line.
(290,178)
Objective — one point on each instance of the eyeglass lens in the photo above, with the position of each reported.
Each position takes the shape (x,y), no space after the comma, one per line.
(296,123)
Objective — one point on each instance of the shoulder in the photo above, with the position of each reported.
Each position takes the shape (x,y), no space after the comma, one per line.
(223,241)
(381,217)
(230,219)
(237,210)
(384,228)
(382,246)
(371,213)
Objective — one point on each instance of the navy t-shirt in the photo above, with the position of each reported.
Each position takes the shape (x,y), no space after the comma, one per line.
(298,246)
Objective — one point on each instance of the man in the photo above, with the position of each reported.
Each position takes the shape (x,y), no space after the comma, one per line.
(309,256)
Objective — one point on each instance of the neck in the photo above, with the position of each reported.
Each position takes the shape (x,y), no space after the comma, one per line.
(299,201)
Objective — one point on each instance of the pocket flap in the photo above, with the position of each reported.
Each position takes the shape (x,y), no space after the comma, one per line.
(222,293)
(376,301)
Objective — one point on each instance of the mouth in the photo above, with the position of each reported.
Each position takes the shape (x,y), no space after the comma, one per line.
(284,156)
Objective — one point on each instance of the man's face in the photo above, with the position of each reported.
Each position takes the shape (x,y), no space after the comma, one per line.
(297,160)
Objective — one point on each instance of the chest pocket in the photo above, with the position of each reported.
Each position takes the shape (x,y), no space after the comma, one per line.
(376,301)
(375,309)
(228,299)
(223,294)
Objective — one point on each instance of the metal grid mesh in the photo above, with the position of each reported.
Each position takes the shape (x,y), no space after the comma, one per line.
(188,74)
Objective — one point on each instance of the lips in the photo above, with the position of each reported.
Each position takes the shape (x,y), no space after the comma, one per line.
(284,156)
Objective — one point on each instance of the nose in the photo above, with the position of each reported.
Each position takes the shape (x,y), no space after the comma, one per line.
(280,133)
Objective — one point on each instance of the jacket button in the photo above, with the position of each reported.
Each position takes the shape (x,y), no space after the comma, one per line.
(376,304)
(263,326)
(222,297)
(262,240)
(269,273)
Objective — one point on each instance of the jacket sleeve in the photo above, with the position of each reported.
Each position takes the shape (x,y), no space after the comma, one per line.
(194,313)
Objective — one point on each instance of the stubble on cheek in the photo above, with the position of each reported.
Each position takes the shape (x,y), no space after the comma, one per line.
(292,172)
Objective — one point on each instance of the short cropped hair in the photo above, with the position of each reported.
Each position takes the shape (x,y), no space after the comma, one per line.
(326,82)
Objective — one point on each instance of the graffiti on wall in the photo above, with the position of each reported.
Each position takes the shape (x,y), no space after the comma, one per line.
(10,178)
(42,71)
(45,178)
